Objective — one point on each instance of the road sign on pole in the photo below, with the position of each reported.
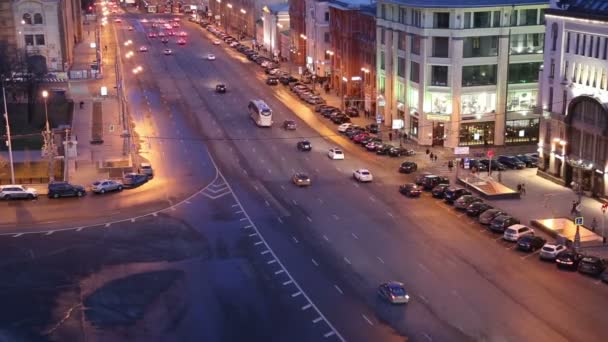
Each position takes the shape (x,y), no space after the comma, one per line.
(578,221)
(490,153)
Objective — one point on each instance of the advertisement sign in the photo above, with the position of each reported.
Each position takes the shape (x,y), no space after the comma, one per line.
(461,150)
(398,124)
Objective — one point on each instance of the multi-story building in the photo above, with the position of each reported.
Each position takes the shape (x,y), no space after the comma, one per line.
(275,20)
(461,73)
(573,143)
(352,54)
(43,31)
(297,30)
(317,37)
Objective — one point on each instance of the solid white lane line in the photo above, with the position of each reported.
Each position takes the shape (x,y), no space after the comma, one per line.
(389,214)
(317,320)
(49,232)
(380,259)
(243,219)
(371,198)
(339,289)
(279,219)
(236,212)
(283,187)
(314,262)
(306,307)
(367,320)
(423,298)
(308,218)
(347,261)
(17,235)
(294,239)
(258,243)
(326,238)
(287,282)
(320,201)
(293,295)
(248,226)
(356,184)
(256,188)
(355,236)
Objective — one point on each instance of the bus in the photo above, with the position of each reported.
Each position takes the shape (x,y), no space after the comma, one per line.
(260,113)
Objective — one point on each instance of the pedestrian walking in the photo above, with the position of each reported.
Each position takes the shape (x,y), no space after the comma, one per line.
(519,188)
(435,157)
(450,165)
(427,151)
(523,189)
(431,156)
(390,136)
(593,224)
(105,47)
(573,210)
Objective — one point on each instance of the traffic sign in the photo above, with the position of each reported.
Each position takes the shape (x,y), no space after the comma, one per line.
(490,153)
(578,221)
(378,119)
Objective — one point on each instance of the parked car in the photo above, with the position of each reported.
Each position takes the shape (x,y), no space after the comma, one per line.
(393,292)
(476,208)
(592,266)
(529,161)
(500,223)
(14,191)
(463,202)
(106,185)
(419,180)
(383,149)
(373,128)
(301,179)
(487,216)
(132,179)
(146,169)
(304,145)
(514,232)
(604,277)
(511,162)
(530,243)
(373,144)
(550,251)
(568,259)
(496,166)
(352,111)
(408,167)
(220,88)
(289,125)
(400,151)
(363,175)
(272,81)
(410,190)
(430,181)
(439,190)
(452,194)
(64,189)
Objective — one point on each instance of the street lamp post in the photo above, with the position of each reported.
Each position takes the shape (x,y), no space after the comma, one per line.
(363,84)
(48,137)
(8,133)
(230,14)
(244,12)
(331,55)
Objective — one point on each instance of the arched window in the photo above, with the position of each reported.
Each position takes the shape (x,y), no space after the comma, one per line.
(27,19)
(553,36)
(37,18)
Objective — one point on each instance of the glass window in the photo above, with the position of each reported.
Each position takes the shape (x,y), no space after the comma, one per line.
(486,46)
(383,11)
(382,36)
(467,20)
(542,16)
(37,18)
(39,39)
(415,48)
(416,18)
(441,20)
(496,19)
(400,92)
(524,72)
(326,37)
(441,103)
(481,19)
(578,40)
(29,39)
(402,15)
(478,75)
(522,100)
(413,127)
(400,66)
(412,98)
(521,131)
(478,133)
(479,103)
(382,66)
(605,48)
(326,16)
(415,72)
(439,75)
(591,46)
(531,43)
(568,42)
(381,84)
(597,47)
(528,17)
(553,36)
(27,18)
(584,45)
(441,47)
(514,16)
(401,40)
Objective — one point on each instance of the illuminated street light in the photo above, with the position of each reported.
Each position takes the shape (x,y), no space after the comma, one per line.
(331,53)
(303,36)
(243,11)
(229,6)
(365,70)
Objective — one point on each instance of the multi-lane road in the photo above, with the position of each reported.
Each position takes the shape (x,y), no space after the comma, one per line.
(265,260)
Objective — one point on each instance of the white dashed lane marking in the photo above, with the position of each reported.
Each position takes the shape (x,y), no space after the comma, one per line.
(368,320)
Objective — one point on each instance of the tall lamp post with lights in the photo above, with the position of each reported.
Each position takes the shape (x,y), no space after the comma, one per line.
(8,133)
(228,17)
(331,56)
(49,146)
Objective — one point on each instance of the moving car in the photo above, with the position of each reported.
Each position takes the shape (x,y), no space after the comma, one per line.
(181,41)
(516,231)
(132,179)
(8,192)
(167,52)
(592,266)
(439,190)
(568,259)
(400,151)
(410,190)
(393,292)
(272,81)
(289,125)
(463,202)
(146,169)
(475,209)
(301,179)
(511,162)
(64,189)
(363,175)
(210,57)
(408,167)
(143,48)
(304,145)
(217,42)
(164,40)
(530,243)
(106,185)
(500,223)
(335,154)
(152,35)
(487,216)
(220,88)
(550,251)
(452,194)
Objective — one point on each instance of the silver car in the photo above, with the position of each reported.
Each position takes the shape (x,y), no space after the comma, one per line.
(8,192)
(106,185)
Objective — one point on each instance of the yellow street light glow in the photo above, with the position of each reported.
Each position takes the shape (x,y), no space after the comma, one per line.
(229,6)
(45,94)
(243,11)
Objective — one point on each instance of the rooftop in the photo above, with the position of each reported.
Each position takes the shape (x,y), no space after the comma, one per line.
(351,4)
(467,3)
(592,7)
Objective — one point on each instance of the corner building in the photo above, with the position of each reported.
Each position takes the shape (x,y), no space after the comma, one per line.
(460,73)
(573,144)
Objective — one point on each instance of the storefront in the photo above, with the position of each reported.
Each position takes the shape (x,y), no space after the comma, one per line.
(476,133)
(413,126)
(522,131)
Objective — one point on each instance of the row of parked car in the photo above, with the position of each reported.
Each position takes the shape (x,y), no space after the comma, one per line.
(505,162)
(65,189)
(499,221)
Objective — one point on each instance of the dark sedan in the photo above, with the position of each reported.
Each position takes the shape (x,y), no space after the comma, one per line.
(439,190)
(410,190)
(529,161)
(272,81)
(431,181)
(496,166)
(452,194)
(530,243)
(132,180)
(400,151)
(487,216)
(592,266)
(220,88)
(408,167)
(568,260)
(511,162)
(373,128)
(304,145)
(475,209)
(463,202)
(501,223)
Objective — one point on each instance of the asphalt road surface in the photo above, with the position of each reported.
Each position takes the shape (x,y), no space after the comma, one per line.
(309,258)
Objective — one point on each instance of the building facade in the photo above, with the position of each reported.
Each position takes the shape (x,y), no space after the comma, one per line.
(297,29)
(573,144)
(352,53)
(239,17)
(461,74)
(275,20)
(317,37)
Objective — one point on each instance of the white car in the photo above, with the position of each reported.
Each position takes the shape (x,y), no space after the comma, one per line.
(514,232)
(343,127)
(211,57)
(106,185)
(216,42)
(8,192)
(335,153)
(167,52)
(363,175)
(551,250)
(143,49)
